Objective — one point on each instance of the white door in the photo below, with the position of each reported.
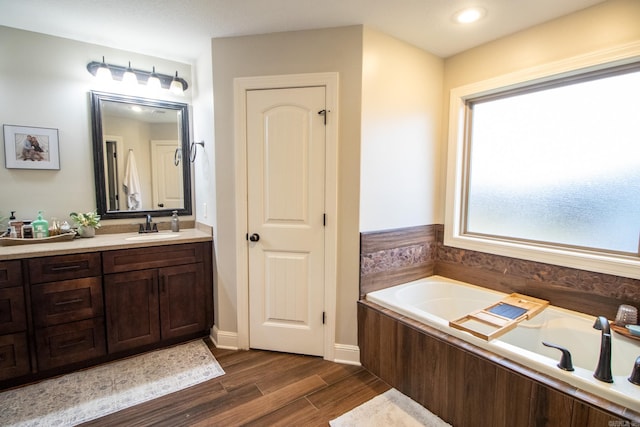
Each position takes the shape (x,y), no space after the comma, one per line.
(286,168)
(166,176)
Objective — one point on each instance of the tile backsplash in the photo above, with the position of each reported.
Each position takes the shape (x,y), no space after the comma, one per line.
(396,256)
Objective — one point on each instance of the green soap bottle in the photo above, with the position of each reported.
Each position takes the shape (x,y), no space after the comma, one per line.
(40,227)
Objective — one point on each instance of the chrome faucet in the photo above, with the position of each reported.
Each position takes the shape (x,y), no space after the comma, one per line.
(603,370)
(149,226)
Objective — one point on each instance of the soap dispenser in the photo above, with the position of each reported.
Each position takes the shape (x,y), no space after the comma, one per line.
(175,222)
(40,227)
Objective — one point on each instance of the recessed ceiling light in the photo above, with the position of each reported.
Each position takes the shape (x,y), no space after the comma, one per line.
(469,15)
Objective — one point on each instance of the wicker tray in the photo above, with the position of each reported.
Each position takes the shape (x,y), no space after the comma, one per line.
(10,241)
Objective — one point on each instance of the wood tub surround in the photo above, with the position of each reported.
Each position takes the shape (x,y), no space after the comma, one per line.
(83,304)
(468,386)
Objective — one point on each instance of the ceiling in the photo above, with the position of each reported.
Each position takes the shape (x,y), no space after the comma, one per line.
(181,30)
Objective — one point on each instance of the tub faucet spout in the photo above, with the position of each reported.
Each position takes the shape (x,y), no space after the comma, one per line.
(603,370)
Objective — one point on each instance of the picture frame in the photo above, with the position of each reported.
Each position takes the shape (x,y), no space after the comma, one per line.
(30,147)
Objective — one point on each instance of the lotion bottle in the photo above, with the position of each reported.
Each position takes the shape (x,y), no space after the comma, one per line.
(40,227)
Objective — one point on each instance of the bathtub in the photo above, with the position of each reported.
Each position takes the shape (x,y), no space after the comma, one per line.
(437,300)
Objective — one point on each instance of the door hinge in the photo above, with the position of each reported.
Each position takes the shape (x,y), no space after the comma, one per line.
(324,220)
(324,316)
(323,113)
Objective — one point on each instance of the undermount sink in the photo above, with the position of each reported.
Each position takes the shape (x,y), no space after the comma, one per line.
(152,236)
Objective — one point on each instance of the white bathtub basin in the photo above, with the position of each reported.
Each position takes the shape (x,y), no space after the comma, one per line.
(437,300)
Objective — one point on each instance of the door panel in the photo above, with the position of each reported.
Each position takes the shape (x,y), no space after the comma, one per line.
(286,161)
(127,328)
(182,300)
(166,175)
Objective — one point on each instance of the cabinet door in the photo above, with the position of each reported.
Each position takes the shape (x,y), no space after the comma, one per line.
(131,302)
(12,310)
(182,300)
(14,356)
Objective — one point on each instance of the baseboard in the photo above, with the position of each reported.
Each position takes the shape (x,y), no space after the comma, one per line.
(347,354)
(222,339)
(343,353)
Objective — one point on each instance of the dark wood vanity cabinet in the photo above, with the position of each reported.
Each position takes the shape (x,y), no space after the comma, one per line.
(68,309)
(14,350)
(64,312)
(156,294)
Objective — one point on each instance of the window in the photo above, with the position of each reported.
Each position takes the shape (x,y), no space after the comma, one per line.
(550,170)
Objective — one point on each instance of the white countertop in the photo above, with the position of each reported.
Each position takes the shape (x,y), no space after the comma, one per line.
(103,242)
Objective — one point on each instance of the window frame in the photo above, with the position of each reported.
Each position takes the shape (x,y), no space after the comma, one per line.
(458,163)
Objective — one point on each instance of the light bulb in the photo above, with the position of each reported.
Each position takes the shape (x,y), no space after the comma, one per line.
(154,81)
(103,73)
(176,86)
(129,77)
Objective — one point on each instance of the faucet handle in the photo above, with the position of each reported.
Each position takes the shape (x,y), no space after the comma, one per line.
(566,364)
(634,378)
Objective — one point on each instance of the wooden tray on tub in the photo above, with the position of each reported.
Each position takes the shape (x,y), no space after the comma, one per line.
(500,317)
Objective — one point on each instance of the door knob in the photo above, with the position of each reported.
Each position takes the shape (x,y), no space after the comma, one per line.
(254,237)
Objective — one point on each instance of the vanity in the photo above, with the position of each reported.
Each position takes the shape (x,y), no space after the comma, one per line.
(69,305)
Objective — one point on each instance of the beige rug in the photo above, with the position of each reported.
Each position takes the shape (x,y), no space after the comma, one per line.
(86,395)
(390,409)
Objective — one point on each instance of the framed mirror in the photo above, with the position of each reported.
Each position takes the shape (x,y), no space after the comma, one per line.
(141,156)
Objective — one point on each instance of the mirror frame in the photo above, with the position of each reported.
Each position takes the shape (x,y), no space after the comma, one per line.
(98,154)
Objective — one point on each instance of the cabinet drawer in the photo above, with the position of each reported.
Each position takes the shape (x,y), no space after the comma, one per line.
(70,343)
(12,310)
(64,267)
(10,274)
(152,257)
(14,356)
(67,301)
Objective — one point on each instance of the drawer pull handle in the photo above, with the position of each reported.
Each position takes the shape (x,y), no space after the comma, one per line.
(71,301)
(66,267)
(72,343)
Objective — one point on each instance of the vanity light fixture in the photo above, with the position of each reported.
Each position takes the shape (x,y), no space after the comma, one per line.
(469,15)
(118,73)
(103,73)
(176,86)
(129,77)
(153,81)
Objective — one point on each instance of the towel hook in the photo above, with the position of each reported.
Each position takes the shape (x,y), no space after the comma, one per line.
(177,156)
(194,149)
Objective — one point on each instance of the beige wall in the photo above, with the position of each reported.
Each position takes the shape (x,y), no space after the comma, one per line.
(607,24)
(44,82)
(400,147)
(330,50)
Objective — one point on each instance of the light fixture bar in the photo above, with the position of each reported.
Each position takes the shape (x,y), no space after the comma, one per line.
(117,72)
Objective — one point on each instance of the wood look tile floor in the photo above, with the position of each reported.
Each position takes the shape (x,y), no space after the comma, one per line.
(259,388)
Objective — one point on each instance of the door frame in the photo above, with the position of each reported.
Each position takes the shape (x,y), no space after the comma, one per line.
(241,86)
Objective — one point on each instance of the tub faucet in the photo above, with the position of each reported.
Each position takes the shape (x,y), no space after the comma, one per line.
(603,370)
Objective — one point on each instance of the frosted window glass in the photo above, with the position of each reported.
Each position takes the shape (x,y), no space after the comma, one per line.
(559,165)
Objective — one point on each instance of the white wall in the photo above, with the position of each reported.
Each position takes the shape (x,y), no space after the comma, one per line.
(400,148)
(44,82)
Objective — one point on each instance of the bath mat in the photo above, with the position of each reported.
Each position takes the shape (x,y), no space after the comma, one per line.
(391,408)
(93,393)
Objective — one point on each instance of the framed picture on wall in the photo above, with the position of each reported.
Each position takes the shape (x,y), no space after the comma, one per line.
(28,147)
